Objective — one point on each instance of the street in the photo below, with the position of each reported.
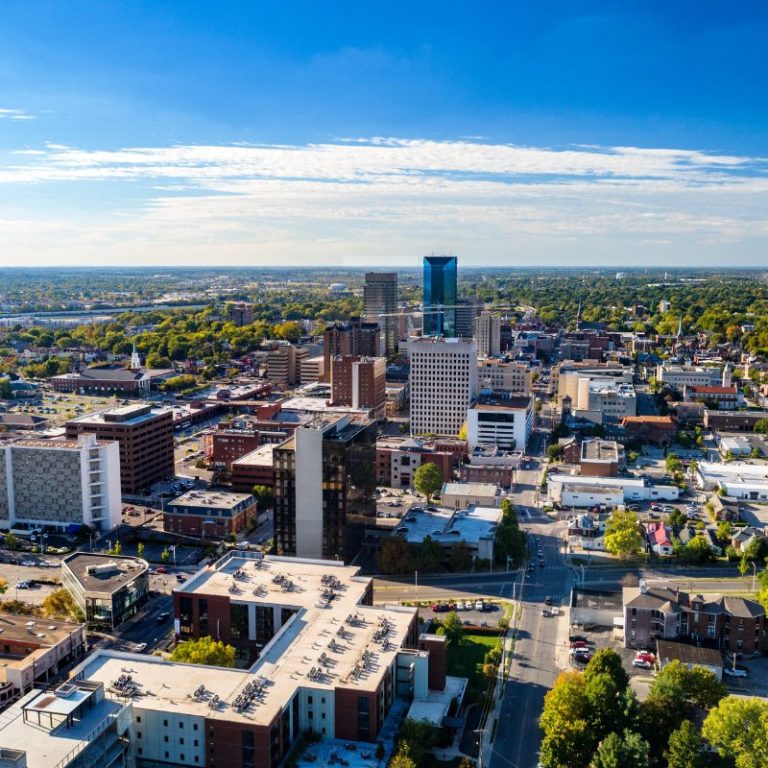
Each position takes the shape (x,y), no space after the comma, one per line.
(532,672)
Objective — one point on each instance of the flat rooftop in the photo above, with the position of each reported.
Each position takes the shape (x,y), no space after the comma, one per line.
(320,405)
(110,579)
(213,499)
(470,489)
(599,450)
(329,637)
(448,526)
(261,457)
(519,403)
(43,632)
(41,746)
(734,472)
(126,414)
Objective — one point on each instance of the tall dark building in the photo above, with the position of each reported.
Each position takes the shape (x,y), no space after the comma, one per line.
(380,296)
(325,486)
(355,337)
(439,296)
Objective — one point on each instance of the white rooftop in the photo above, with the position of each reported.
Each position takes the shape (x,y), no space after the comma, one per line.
(448,526)
(734,472)
(470,489)
(339,632)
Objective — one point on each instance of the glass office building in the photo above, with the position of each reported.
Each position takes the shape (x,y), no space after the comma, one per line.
(439,296)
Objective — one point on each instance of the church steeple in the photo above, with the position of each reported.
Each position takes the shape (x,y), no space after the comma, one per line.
(135,359)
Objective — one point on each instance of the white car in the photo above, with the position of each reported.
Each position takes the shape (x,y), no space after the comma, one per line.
(140,648)
(731,672)
(460,605)
(29,563)
(479,605)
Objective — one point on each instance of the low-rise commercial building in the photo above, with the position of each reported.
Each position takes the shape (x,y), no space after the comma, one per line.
(209,514)
(35,651)
(465,495)
(475,527)
(736,479)
(680,376)
(601,458)
(659,430)
(108,589)
(506,376)
(579,491)
(605,401)
(504,422)
(733,421)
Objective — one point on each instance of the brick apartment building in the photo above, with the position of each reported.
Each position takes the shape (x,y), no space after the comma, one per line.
(212,514)
(356,338)
(732,624)
(145,437)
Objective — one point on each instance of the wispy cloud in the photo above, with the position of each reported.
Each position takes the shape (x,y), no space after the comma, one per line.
(15,114)
(379,195)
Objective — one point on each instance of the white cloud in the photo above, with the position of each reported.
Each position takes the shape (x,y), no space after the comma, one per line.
(380,195)
(15,114)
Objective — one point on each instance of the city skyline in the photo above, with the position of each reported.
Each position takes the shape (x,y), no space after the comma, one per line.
(583,135)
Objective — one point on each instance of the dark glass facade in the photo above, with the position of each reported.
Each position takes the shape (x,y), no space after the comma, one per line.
(439,296)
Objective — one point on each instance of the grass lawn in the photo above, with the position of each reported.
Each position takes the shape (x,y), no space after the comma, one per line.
(465,659)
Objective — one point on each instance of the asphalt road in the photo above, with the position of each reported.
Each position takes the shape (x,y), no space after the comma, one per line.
(533,669)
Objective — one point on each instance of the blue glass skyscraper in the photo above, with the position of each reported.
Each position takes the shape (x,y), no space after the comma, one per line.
(439,296)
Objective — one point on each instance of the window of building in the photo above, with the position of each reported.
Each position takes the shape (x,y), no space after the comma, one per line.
(165,723)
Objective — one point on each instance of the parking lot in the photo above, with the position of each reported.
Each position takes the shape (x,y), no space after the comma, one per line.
(487,616)
(20,574)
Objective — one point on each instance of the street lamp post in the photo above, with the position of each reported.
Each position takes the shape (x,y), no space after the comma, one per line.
(754,573)
(416,585)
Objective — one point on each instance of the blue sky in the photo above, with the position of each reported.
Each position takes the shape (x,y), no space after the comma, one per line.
(310,133)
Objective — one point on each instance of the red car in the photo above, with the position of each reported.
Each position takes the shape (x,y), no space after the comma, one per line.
(579,644)
(645,656)
(161,569)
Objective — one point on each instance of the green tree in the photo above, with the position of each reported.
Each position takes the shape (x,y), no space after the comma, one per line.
(724,531)
(628,750)
(687,749)
(395,555)
(696,687)
(460,558)
(607,662)
(428,479)
(205,650)
(60,605)
(402,758)
(12,541)
(265,497)
(622,534)
(555,452)
(452,628)
(165,555)
(6,390)
(698,550)
(569,739)
(429,555)
(738,729)
(419,737)
(116,549)
(140,550)
(3,585)
(672,463)
(761,426)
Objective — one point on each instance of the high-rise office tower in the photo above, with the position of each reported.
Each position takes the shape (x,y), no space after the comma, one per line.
(380,296)
(439,296)
(488,334)
(324,489)
(443,384)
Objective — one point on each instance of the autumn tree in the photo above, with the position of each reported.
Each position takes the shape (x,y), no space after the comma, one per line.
(738,729)
(61,605)
(205,650)
(687,748)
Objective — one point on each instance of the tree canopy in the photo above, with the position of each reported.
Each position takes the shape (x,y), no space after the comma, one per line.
(205,650)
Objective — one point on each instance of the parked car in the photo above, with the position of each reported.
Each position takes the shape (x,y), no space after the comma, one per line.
(578,643)
(29,563)
(731,672)
(479,605)
(642,663)
(23,585)
(140,648)
(161,569)
(547,600)
(544,612)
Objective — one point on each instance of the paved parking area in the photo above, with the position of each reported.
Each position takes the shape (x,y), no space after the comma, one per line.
(14,574)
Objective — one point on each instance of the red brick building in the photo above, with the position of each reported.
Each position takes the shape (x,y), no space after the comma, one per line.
(209,515)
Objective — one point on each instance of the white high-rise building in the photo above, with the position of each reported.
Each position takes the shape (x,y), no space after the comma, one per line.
(54,483)
(443,384)
(488,334)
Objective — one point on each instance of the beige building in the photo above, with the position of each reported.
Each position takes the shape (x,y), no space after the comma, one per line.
(443,384)
(488,334)
(509,376)
(284,364)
